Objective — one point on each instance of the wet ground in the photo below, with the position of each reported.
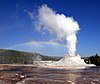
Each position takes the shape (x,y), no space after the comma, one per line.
(35,75)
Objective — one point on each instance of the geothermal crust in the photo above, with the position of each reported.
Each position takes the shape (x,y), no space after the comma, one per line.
(66,61)
(71,61)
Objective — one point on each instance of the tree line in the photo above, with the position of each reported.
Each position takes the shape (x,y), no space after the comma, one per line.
(95,59)
(19,57)
(15,57)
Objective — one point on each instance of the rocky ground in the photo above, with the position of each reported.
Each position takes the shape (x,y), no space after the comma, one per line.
(22,74)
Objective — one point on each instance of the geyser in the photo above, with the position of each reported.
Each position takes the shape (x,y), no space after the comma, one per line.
(59,25)
(63,28)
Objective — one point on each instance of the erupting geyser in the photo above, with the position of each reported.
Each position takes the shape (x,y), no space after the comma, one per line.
(59,25)
(71,44)
(63,28)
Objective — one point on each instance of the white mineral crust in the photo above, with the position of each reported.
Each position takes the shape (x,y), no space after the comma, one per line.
(71,61)
(66,61)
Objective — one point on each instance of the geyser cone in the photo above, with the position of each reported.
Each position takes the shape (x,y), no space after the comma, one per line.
(70,61)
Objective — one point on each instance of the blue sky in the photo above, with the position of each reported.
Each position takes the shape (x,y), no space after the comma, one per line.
(16,27)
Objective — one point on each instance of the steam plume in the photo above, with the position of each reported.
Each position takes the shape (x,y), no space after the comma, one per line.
(59,25)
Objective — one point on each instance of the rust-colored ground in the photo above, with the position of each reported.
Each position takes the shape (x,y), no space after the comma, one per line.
(12,74)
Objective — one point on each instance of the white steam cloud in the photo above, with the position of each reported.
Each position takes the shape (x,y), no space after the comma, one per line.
(59,25)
